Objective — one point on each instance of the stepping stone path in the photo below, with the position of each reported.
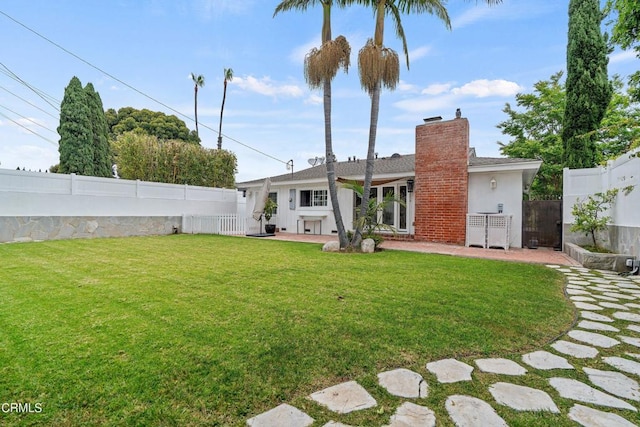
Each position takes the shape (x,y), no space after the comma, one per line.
(576,350)
(546,361)
(410,414)
(450,371)
(590,417)
(522,398)
(467,411)
(603,300)
(344,398)
(283,415)
(404,383)
(500,366)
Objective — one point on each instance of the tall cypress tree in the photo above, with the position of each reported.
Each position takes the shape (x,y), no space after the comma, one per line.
(102,159)
(588,88)
(76,135)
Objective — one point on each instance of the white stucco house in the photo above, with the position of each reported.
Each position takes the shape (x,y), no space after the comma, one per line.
(440,184)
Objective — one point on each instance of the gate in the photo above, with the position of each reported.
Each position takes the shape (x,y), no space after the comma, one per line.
(542,223)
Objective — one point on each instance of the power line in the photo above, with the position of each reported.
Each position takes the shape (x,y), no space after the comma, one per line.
(27,118)
(95,67)
(29,130)
(45,97)
(33,105)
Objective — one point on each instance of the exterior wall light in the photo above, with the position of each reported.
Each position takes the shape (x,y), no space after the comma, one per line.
(410,183)
(493,183)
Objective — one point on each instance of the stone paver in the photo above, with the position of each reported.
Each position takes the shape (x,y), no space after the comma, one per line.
(281,416)
(634,328)
(344,398)
(467,411)
(633,305)
(404,383)
(617,306)
(500,366)
(582,299)
(335,424)
(620,295)
(593,338)
(581,392)
(623,315)
(579,351)
(597,326)
(622,364)
(587,306)
(595,316)
(412,415)
(615,383)
(450,370)
(577,292)
(522,398)
(544,360)
(589,417)
(630,340)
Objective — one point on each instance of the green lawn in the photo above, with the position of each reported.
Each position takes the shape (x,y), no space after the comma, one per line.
(211,330)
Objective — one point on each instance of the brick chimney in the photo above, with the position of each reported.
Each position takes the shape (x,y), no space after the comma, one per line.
(441,182)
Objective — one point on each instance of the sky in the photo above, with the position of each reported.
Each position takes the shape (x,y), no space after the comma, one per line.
(140,53)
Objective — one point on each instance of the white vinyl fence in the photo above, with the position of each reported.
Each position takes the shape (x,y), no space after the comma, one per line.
(230,224)
(624,231)
(43,206)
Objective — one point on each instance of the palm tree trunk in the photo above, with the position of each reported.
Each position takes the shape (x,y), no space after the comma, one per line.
(195,101)
(224,97)
(368,171)
(331,176)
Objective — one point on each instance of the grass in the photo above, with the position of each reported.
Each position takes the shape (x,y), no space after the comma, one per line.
(212,330)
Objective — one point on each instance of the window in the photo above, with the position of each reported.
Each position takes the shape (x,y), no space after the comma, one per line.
(388,212)
(403,208)
(310,198)
(274,196)
(357,202)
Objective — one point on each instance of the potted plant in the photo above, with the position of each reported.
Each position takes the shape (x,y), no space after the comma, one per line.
(269,210)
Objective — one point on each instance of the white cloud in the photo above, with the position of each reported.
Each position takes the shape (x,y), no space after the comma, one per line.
(420,52)
(436,89)
(265,86)
(314,99)
(213,8)
(406,87)
(484,88)
(624,56)
(470,16)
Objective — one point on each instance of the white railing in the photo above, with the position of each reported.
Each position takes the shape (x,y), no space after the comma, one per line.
(227,224)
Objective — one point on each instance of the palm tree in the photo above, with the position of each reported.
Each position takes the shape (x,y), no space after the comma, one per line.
(198,81)
(320,67)
(228,76)
(379,66)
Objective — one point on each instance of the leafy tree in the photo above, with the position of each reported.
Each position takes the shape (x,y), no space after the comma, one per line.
(76,144)
(371,222)
(588,214)
(588,87)
(102,158)
(158,124)
(626,34)
(536,132)
(320,67)
(198,81)
(535,129)
(145,157)
(228,76)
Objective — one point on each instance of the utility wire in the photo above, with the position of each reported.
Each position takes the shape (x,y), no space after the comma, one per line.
(133,88)
(29,130)
(33,105)
(27,118)
(45,97)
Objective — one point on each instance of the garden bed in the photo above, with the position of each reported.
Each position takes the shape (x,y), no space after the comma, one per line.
(597,261)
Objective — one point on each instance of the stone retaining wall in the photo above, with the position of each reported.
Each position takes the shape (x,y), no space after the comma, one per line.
(34,228)
(597,261)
